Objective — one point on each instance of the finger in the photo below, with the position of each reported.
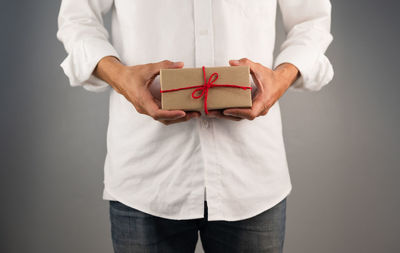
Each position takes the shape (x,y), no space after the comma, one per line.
(220,115)
(167,115)
(254,69)
(165,64)
(244,62)
(257,108)
(194,114)
(239,113)
(189,115)
(152,108)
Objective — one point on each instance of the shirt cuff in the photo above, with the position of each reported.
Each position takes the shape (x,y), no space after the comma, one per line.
(80,63)
(315,69)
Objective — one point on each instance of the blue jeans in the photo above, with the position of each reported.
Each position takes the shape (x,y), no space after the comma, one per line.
(136,231)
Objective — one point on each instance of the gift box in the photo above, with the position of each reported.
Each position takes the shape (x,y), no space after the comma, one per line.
(206,88)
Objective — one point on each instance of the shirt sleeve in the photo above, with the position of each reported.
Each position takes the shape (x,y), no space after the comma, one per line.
(307,25)
(81,30)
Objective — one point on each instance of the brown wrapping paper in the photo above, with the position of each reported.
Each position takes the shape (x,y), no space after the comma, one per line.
(218,97)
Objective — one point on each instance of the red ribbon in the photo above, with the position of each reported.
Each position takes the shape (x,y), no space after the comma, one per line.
(205,87)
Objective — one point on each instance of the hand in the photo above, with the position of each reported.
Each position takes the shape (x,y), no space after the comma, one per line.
(271,85)
(133,83)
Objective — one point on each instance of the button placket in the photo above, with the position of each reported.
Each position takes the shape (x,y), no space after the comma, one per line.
(204,41)
(204,56)
(212,169)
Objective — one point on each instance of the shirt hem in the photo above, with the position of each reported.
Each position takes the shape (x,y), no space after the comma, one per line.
(252,214)
(141,208)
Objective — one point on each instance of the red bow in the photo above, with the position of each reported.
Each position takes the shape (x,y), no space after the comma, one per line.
(205,87)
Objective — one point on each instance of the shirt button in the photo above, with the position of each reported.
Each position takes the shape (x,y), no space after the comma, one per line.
(203,32)
(205,123)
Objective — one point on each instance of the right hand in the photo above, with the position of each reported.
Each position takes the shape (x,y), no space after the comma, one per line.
(133,83)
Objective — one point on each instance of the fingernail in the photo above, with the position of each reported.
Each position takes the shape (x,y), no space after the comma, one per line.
(178,63)
(234,61)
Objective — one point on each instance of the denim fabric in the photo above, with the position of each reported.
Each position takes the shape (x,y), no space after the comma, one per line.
(136,231)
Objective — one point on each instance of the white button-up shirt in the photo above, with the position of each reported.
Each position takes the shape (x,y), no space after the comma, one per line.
(165,170)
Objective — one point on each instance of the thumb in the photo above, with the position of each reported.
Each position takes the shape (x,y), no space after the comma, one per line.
(234,62)
(166,64)
(245,62)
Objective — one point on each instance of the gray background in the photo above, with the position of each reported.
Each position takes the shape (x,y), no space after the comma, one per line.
(342,142)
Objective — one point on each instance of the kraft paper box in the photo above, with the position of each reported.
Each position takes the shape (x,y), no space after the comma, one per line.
(177,88)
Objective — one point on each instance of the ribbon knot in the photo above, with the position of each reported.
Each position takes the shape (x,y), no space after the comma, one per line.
(208,84)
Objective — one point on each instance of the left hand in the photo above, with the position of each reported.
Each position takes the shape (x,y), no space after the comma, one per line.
(271,85)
